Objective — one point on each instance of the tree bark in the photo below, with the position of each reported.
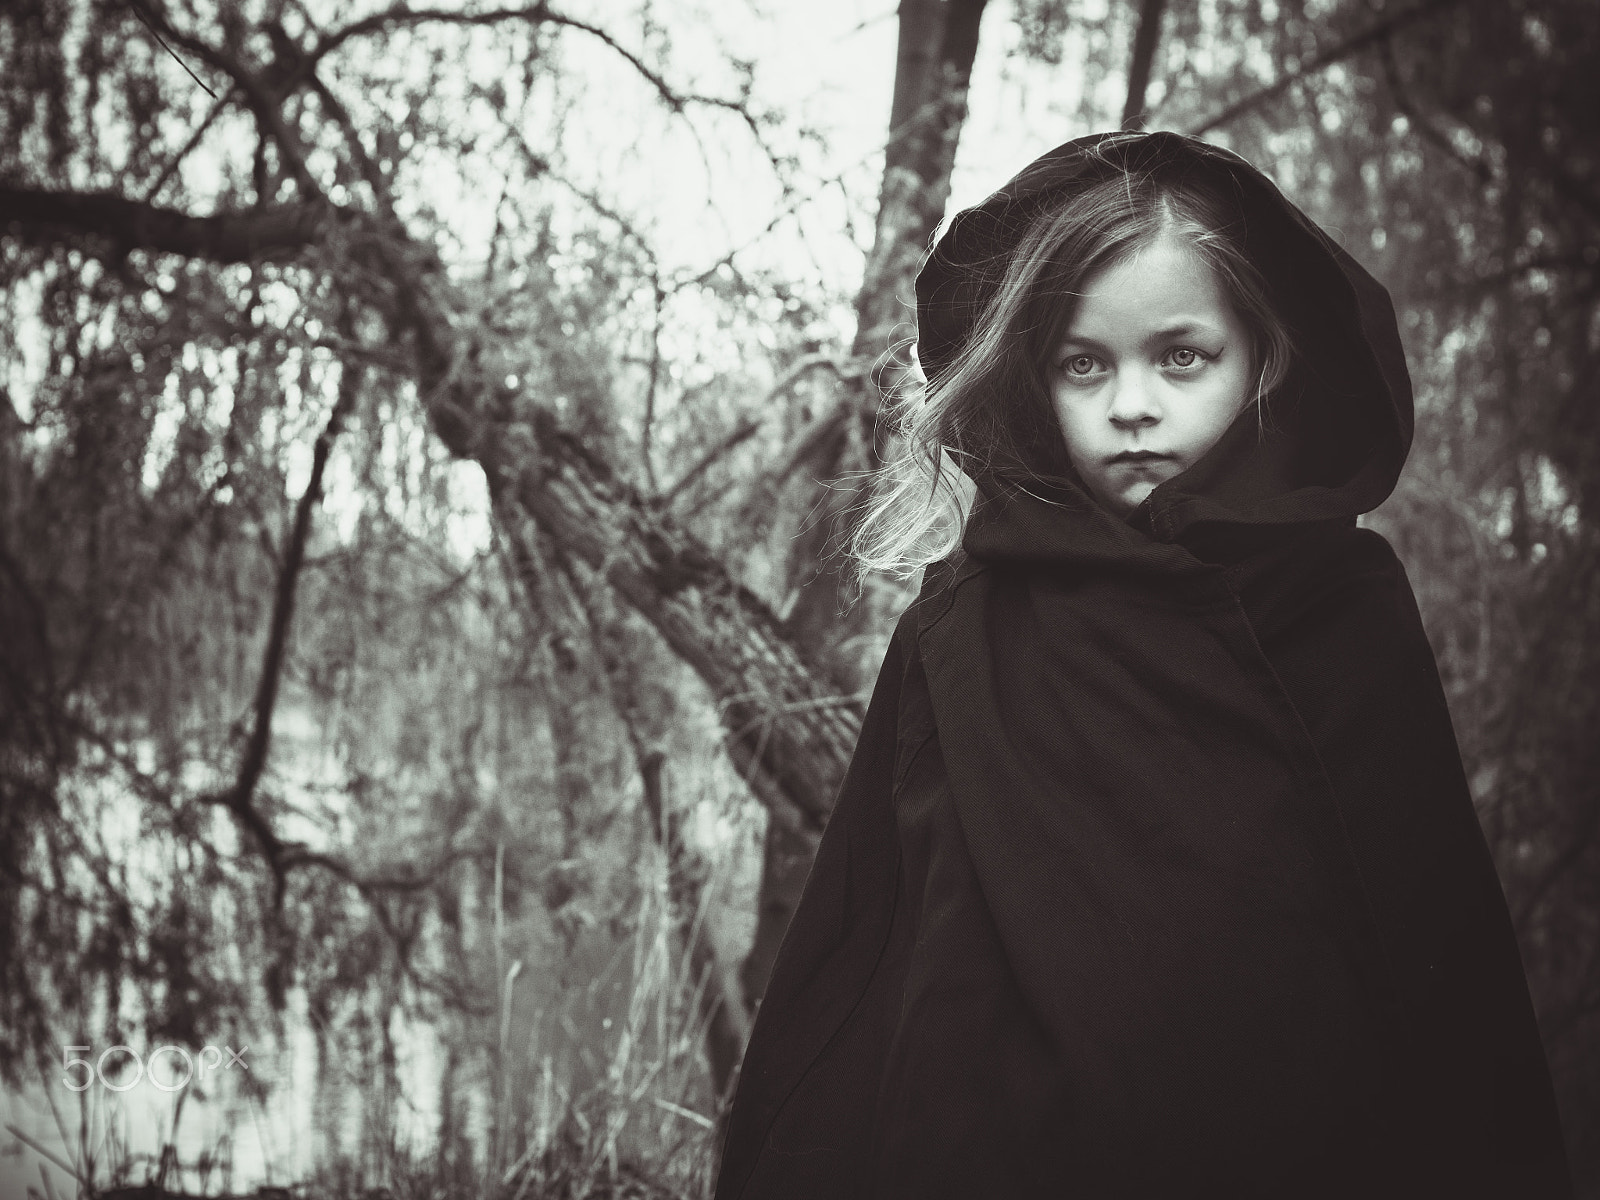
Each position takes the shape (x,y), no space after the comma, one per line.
(1145,42)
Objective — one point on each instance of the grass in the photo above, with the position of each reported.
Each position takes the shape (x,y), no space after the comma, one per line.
(633,1123)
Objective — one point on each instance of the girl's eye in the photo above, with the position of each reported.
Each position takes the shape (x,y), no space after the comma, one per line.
(1079,364)
(1185,359)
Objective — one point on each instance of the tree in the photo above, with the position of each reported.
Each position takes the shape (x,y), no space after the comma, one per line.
(316,300)
(337,230)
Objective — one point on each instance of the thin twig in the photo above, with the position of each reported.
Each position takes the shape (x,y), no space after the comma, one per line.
(647,426)
(188,148)
(748,427)
(139,11)
(239,798)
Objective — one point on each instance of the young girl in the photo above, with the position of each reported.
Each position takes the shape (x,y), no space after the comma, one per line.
(1155,873)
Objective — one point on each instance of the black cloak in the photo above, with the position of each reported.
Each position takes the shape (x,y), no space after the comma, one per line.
(1155,872)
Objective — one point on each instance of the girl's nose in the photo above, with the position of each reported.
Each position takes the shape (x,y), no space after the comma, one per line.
(1132,403)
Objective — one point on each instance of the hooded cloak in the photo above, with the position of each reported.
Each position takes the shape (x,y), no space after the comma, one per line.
(1155,872)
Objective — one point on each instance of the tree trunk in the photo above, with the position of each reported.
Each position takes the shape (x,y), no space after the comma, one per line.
(938,41)
(1145,42)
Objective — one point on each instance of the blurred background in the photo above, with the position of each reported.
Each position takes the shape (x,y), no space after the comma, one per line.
(426,435)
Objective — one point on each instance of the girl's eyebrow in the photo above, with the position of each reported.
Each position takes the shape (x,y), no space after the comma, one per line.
(1186,328)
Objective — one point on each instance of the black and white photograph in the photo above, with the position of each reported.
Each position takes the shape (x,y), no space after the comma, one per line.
(759,600)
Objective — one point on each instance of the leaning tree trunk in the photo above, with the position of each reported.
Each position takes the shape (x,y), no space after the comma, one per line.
(790,726)
(786,726)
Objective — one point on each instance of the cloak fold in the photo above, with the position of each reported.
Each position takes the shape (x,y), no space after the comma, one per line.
(1156,873)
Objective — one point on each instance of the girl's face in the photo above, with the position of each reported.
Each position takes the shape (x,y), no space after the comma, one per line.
(1152,371)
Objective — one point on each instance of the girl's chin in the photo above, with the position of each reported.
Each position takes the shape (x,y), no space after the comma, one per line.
(1123,500)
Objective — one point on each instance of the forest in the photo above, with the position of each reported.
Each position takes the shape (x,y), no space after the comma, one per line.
(428,434)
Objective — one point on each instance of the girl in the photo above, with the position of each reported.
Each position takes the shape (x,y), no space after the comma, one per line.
(1155,873)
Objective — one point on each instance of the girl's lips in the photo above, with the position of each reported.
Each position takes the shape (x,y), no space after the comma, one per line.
(1139,456)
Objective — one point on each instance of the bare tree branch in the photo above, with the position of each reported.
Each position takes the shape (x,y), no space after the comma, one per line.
(176,160)
(240,797)
(259,99)
(404,16)
(647,426)
(352,138)
(262,235)
(372,886)
(744,430)
(292,855)
(1377,32)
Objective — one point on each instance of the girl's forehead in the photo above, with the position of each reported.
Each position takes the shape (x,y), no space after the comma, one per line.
(1152,284)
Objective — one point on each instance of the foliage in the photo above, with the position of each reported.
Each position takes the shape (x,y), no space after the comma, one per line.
(431,762)
(456,778)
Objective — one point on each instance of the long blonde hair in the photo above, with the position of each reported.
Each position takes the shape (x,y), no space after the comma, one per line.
(987,411)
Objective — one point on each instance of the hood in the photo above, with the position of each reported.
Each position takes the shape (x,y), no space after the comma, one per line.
(1340,425)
